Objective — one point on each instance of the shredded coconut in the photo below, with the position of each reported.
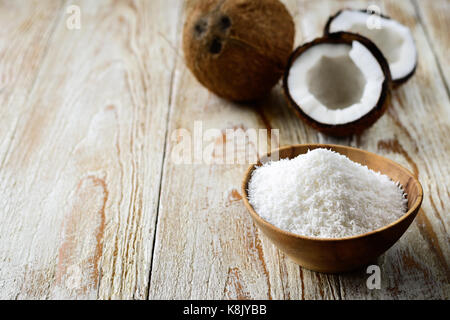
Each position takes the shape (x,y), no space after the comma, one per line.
(324,194)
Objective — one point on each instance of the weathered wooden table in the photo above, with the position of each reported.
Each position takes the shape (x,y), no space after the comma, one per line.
(92,204)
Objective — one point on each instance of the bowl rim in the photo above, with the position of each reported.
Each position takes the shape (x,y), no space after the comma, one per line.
(415,206)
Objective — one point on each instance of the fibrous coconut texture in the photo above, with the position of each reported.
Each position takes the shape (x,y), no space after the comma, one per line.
(324,194)
(393,39)
(339,84)
(238,48)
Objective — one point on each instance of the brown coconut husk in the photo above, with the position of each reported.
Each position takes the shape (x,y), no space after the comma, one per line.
(238,49)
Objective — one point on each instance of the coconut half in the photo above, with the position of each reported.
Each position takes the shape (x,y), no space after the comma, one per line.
(393,38)
(338,84)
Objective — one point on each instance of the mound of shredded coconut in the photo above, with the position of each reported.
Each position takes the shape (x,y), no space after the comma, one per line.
(324,194)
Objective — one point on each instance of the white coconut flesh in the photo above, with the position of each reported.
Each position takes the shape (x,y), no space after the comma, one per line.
(336,83)
(393,39)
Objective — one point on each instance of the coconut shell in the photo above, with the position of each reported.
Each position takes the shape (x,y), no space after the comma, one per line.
(356,126)
(396,82)
(238,49)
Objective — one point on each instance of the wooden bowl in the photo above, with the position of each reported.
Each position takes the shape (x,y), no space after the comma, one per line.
(341,254)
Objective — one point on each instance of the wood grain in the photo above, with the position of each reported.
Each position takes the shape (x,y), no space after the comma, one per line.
(94,204)
(81,180)
(434,17)
(23,46)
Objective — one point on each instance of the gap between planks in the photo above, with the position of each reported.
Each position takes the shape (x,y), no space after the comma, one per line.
(177,58)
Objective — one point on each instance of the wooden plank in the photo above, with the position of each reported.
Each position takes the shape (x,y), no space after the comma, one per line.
(81,181)
(206,245)
(24,39)
(400,136)
(434,16)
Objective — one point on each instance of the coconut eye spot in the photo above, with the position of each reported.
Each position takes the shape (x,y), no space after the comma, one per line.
(215,46)
(200,28)
(387,39)
(336,82)
(225,23)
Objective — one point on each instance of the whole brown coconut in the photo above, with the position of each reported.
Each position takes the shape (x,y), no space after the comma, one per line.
(238,48)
